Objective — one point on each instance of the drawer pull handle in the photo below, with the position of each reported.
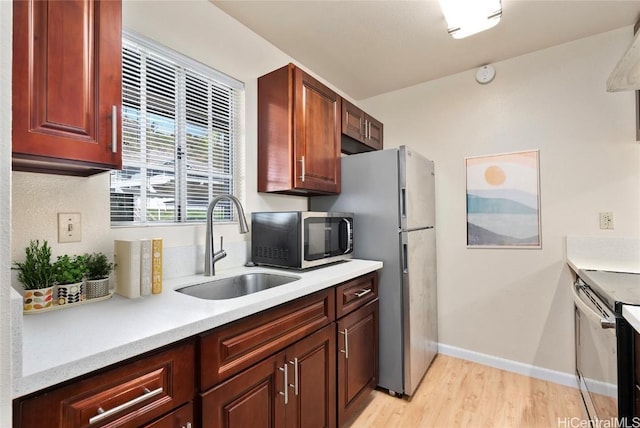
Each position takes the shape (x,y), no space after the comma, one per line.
(103,414)
(362,292)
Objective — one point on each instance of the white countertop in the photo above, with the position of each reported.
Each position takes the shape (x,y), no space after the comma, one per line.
(66,343)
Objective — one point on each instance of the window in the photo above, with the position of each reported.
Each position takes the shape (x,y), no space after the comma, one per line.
(180,125)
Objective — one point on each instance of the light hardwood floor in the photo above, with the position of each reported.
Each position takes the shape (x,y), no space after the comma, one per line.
(458,393)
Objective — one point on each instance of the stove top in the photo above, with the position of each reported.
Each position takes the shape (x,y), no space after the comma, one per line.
(614,288)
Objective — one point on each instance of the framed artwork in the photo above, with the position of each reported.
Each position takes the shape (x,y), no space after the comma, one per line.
(503,200)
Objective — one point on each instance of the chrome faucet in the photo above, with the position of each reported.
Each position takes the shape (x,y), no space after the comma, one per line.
(210,256)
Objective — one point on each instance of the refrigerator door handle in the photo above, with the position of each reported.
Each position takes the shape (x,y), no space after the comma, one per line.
(405,257)
(403,202)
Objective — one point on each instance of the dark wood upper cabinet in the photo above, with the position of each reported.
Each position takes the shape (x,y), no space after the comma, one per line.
(298,134)
(67,86)
(360,131)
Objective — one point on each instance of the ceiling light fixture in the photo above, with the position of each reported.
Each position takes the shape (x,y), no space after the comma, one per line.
(467,17)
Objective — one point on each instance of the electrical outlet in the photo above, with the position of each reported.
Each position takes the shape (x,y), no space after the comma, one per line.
(606,220)
(69,227)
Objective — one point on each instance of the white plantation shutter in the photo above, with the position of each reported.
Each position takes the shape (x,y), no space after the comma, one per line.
(180,127)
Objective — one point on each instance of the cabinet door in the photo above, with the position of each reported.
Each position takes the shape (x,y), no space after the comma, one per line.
(352,121)
(67,85)
(254,398)
(374,133)
(312,374)
(316,122)
(357,358)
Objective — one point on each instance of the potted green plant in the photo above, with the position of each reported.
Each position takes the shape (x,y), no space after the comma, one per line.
(99,269)
(36,274)
(70,272)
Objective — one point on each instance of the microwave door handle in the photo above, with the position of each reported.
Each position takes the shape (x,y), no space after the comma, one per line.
(349,236)
(605,322)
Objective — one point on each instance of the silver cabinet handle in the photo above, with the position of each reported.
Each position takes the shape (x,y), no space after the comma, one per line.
(188,425)
(302,176)
(295,375)
(285,369)
(346,343)
(362,292)
(114,129)
(102,414)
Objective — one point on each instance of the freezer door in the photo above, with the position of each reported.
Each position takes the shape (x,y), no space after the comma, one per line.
(417,190)
(420,317)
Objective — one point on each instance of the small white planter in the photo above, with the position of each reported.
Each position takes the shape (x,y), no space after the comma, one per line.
(70,293)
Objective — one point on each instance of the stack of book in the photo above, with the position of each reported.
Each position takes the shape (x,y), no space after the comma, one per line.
(138,267)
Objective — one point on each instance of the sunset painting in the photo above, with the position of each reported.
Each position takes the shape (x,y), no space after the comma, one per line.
(503,200)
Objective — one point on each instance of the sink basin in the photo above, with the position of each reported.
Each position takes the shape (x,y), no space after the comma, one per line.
(236,286)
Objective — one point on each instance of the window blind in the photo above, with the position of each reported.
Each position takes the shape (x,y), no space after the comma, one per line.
(180,128)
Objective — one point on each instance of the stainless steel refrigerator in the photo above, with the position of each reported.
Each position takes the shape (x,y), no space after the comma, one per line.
(391,192)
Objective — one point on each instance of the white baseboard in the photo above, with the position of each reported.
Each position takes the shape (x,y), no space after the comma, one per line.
(541,373)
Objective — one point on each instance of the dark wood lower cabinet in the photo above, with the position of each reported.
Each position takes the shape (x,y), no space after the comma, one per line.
(312,372)
(128,395)
(293,388)
(357,358)
(292,366)
(249,399)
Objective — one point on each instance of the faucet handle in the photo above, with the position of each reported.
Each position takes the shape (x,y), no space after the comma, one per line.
(221,241)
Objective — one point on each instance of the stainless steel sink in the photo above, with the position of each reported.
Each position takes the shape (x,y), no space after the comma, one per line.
(236,286)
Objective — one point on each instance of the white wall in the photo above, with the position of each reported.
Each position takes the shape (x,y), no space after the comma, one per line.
(515,304)
(203,32)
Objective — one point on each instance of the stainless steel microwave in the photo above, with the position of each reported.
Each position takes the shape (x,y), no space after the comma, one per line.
(300,239)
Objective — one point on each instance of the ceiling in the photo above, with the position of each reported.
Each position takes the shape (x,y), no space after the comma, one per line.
(366,48)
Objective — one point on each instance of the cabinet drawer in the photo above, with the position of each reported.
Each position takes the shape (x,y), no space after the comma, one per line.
(126,396)
(353,294)
(181,417)
(229,349)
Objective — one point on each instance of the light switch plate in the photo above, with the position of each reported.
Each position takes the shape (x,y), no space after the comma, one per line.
(69,227)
